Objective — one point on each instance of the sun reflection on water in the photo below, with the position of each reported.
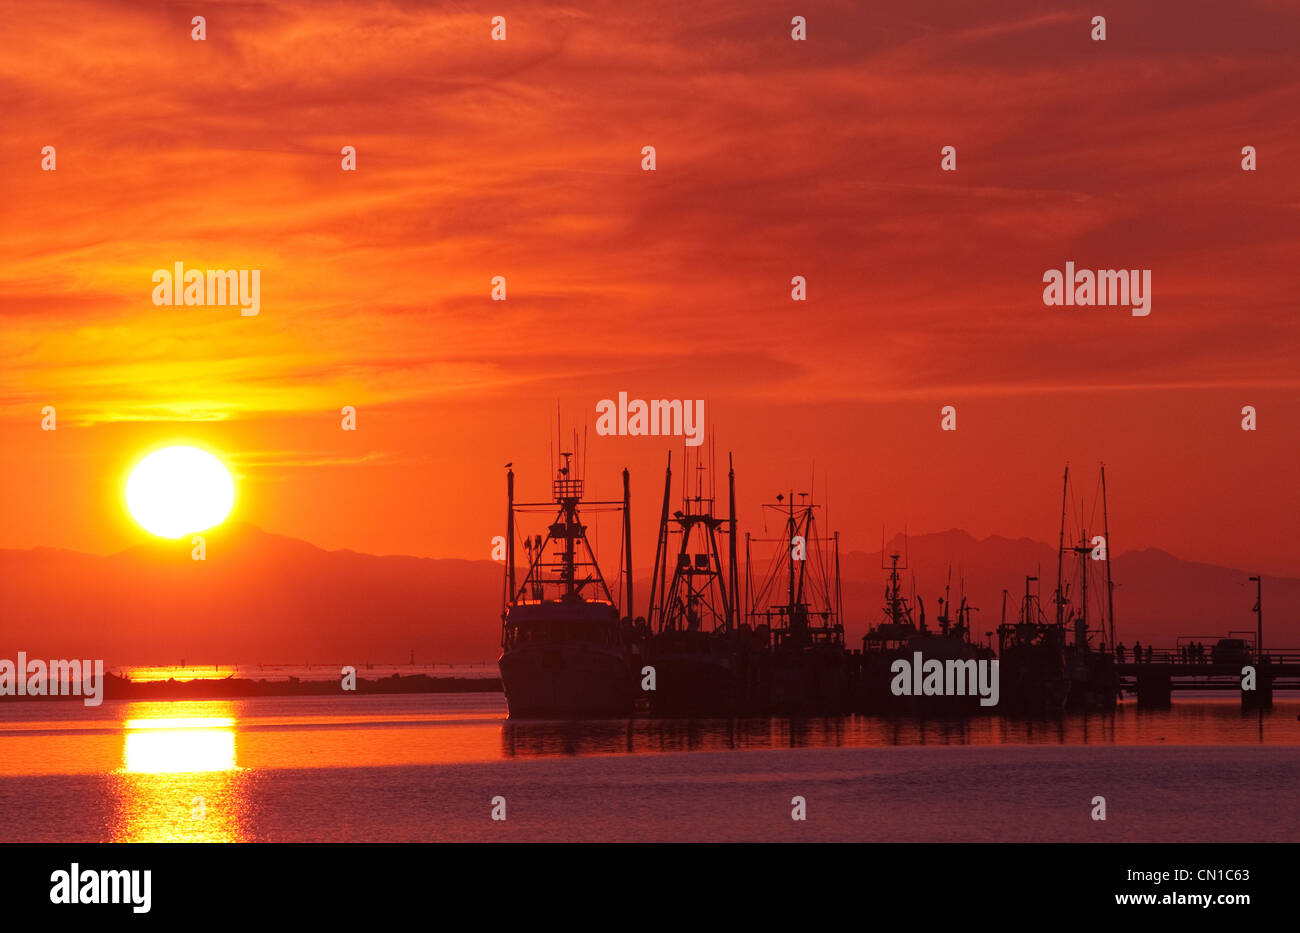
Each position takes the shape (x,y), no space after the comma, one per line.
(179,780)
(179,746)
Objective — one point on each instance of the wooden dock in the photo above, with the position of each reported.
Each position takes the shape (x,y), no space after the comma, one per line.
(1154,681)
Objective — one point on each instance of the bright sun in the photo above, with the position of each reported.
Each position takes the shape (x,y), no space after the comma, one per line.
(177,491)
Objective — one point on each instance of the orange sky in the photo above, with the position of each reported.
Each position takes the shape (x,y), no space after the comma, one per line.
(775,158)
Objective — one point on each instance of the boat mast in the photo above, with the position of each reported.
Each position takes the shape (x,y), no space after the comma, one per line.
(569,508)
(1081,617)
(699,597)
(657,585)
(510,540)
(805,522)
(734,574)
(790,533)
(1060,551)
(560,568)
(749,581)
(839,589)
(627,539)
(1110,587)
(1259,617)
(945,619)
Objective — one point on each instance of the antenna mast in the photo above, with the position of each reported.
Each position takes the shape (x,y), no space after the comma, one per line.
(1110,587)
(1060,551)
(657,583)
(627,538)
(510,540)
(734,582)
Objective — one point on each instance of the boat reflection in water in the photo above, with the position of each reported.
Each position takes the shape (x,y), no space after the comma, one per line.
(1211,721)
(179,781)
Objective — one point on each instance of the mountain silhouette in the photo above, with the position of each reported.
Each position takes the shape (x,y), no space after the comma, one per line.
(257,597)
(1157,596)
(266,598)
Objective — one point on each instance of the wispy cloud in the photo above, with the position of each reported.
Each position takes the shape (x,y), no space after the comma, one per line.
(521,159)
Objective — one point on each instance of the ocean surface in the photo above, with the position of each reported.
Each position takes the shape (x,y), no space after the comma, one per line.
(282,672)
(427,768)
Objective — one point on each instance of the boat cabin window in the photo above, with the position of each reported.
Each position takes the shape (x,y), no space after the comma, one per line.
(556,630)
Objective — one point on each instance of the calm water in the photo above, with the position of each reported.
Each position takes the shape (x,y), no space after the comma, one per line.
(282,672)
(426,767)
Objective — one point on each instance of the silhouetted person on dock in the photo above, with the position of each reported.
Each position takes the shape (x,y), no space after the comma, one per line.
(1119,652)
(1148,654)
(1137,652)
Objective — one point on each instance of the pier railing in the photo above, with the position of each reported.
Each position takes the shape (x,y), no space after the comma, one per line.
(1176,658)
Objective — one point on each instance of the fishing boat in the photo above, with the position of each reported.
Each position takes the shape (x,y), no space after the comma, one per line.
(1031,650)
(567,651)
(706,663)
(1067,663)
(1087,609)
(903,636)
(796,610)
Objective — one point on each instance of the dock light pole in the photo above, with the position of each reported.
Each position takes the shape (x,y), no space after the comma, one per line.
(1259,618)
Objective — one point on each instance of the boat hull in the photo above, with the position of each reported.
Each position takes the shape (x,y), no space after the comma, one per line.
(694,685)
(810,681)
(1094,682)
(1034,681)
(567,680)
(876,694)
